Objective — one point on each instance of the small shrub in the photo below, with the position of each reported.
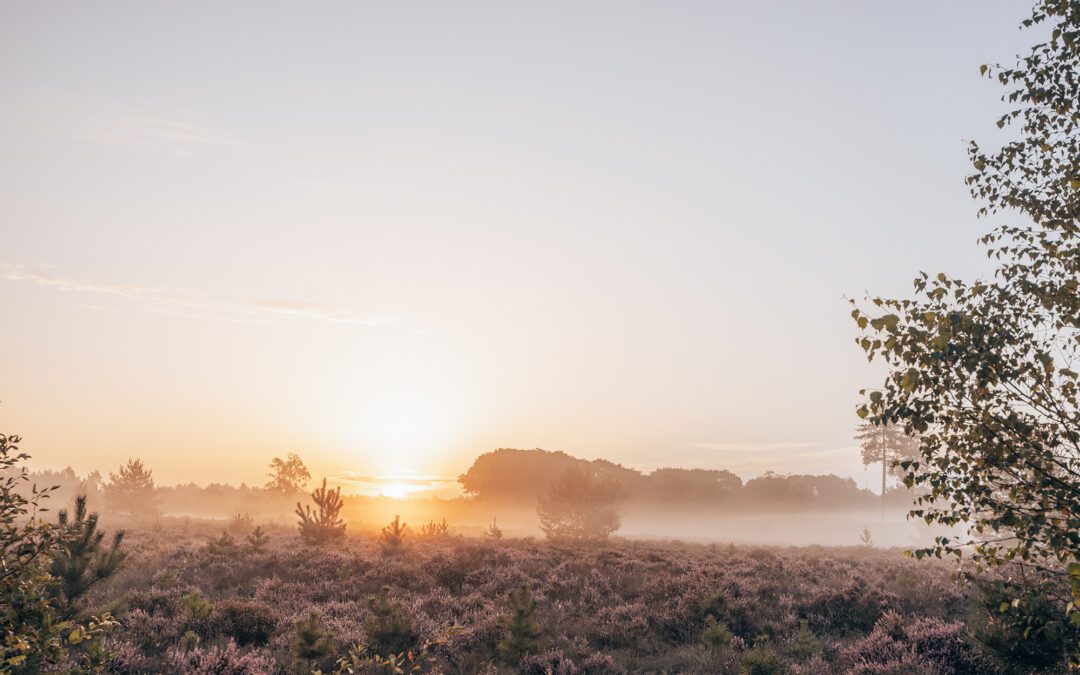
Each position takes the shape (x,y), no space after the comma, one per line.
(494,532)
(388,626)
(311,642)
(249,623)
(551,662)
(762,659)
(324,524)
(716,633)
(223,545)
(241,524)
(393,535)
(523,631)
(433,530)
(257,540)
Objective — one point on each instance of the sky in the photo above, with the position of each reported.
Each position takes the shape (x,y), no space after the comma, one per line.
(392,236)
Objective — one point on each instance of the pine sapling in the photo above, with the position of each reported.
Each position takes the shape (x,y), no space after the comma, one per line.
(83,559)
(223,545)
(325,524)
(494,532)
(434,530)
(393,535)
(311,641)
(257,540)
(523,631)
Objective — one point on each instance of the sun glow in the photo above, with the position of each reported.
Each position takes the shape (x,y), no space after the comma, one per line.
(398,490)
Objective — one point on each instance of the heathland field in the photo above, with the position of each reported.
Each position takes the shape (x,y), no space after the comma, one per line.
(194,601)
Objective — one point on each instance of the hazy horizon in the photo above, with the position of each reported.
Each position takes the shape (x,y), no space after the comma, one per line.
(393,238)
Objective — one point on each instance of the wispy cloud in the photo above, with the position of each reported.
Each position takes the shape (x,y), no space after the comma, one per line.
(757,447)
(151,131)
(188,303)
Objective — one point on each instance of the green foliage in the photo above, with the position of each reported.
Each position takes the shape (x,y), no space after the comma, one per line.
(805,644)
(388,626)
(82,558)
(393,535)
(494,532)
(580,507)
(434,530)
(223,545)
(196,607)
(523,631)
(762,659)
(395,664)
(131,490)
(983,371)
(325,524)
(257,540)
(311,641)
(1023,626)
(288,476)
(34,637)
(716,633)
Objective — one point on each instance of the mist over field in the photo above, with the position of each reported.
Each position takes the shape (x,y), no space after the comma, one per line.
(559,338)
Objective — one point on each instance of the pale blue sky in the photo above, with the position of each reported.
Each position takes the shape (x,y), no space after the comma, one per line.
(391,237)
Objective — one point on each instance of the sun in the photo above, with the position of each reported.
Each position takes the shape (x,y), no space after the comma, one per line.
(397,490)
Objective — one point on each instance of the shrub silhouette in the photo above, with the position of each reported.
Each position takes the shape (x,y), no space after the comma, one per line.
(580,507)
(82,559)
(523,632)
(388,626)
(223,545)
(325,524)
(494,532)
(435,530)
(393,535)
(241,524)
(257,540)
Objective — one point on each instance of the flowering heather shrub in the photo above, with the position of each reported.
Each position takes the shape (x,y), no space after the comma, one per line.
(226,660)
(627,607)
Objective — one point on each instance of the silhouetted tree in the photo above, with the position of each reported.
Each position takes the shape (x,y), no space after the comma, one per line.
(580,507)
(325,523)
(257,540)
(494,531)
(288,476)
(888,444)
(435,529)
(393,535)
(83,559)
(131,490)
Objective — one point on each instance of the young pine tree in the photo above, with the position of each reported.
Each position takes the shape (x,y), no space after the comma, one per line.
(494,532)
(433,530)
(388,626)
(257,540)
(393,535)
(311,642)
(523,631)
(83,558)
(325,524)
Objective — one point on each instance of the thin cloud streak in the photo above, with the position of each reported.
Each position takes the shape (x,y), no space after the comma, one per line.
(756,447)
(179,302)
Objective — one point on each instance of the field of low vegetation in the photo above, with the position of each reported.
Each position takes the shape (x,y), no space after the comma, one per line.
(200,602)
